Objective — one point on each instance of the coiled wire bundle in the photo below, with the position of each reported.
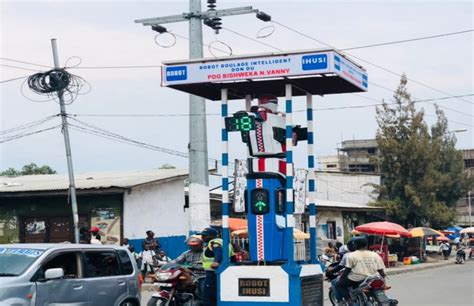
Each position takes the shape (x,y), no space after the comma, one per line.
(55,82)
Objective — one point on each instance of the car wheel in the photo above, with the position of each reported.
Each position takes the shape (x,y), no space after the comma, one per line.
(129,303)
(155,301)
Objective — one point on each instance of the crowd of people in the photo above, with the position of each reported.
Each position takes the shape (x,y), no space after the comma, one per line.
(204,255)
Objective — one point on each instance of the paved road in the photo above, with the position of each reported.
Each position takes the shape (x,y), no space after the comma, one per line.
(451,285)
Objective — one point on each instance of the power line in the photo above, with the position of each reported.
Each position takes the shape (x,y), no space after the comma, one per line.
(18,136)
(252,39)
(14,79)
(17,67)
(296,111)
(27,125)
(377,85)
(118,67)
(113,136)
(407,40)
(368,62)
(24,62)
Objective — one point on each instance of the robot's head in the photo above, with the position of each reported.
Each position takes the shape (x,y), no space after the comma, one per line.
(269,102)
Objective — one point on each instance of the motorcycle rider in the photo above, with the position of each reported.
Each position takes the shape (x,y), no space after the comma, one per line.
(360,264)
(344,251)
(211,259)
(193,256)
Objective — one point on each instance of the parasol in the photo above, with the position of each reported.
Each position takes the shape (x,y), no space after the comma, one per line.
(383,228)
(424,231)
(237,224)
(356,233)
(441,237)
(467,230)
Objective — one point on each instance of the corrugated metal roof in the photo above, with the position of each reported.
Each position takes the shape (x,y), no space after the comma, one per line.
(337,204)
(92,180)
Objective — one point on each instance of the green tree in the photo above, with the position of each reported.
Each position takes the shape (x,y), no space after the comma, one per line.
(421,170)
(30,169)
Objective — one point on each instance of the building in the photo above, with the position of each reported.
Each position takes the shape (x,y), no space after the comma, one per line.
(35,208)
(329,163)
(357,188)
(353,156)
(462,206)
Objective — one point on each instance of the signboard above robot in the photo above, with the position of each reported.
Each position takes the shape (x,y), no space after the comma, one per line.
(298,64)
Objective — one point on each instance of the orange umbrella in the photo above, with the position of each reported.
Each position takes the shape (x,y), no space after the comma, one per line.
(237,224)
(441,237)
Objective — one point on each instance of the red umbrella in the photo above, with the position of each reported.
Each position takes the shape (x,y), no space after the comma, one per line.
(383,228)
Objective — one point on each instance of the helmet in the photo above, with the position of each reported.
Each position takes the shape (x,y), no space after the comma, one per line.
(94,229)
(270,102)
(194,241)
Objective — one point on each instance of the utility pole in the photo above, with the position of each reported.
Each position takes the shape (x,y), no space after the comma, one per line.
(72,187)
(198,157)
(469,207)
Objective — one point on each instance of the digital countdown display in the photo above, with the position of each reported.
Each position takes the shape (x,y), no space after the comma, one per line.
(240,122)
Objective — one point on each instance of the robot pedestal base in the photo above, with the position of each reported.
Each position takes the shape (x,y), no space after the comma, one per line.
(271,285)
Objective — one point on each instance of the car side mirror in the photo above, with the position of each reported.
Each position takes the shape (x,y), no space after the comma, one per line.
(53,273)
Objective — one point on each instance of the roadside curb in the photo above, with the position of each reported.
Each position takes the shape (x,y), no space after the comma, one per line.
(420,267)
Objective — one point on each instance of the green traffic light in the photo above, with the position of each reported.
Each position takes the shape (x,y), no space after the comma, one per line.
(260,205)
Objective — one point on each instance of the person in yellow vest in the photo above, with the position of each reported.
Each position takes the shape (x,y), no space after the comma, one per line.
(211,259)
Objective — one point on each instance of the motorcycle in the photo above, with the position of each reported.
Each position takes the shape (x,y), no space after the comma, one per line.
(326,260)
(176,286)
(371,292)
(460,255)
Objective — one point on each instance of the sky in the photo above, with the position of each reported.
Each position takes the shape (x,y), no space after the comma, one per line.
(103,34)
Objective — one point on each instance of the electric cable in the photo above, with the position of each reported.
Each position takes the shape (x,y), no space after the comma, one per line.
(407,40)
(18,136)
(377,85)
(252,39)
(27,125)
(24,62)
(14,79)
(262,32)
(368,62)
(295,111)
(217,41)
(17,67)
(94,129)
(55,82)
(171,44)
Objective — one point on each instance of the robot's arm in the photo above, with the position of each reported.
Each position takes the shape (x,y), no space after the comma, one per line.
(299,134)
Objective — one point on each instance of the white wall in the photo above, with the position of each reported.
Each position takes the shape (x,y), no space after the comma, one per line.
(157,207)
(345,187)
(323,217)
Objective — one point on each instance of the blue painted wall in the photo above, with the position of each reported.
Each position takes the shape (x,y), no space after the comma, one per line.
(173,245)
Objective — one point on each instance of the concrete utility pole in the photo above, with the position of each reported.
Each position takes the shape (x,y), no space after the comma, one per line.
(469,207)
(72,187)
(198,160)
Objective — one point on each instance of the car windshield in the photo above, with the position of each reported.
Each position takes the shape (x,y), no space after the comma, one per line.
(14,261)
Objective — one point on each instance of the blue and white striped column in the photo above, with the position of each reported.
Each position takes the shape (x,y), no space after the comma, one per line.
(225,180)
(311,180)
(290,219)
